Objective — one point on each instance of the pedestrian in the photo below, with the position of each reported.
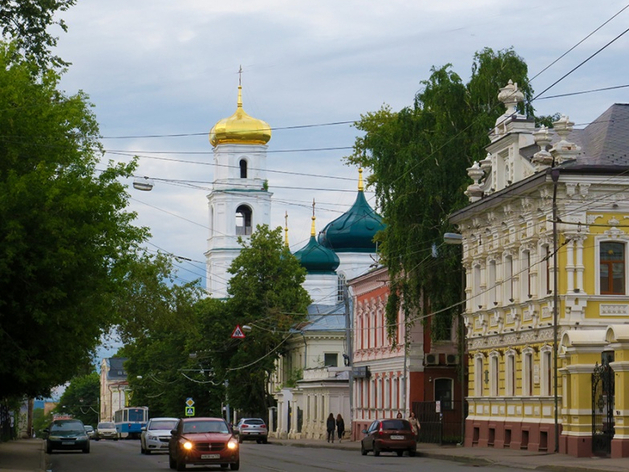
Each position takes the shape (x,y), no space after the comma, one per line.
(331,424)
(340,426)
(415,425)
(399,414)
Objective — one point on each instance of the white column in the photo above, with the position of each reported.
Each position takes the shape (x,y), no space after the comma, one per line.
(570,266)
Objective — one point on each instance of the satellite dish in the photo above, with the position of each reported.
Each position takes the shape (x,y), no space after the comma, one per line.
(145,184)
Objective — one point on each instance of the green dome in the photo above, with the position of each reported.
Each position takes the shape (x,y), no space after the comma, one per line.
(317,259)
(354,230)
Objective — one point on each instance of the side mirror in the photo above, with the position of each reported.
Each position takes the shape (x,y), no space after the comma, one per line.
(173,432)
(46,430)
(143,428)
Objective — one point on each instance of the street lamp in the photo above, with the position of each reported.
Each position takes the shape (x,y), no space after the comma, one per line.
(457,239)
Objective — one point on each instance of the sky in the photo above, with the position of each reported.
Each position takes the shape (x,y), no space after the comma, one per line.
(161,73)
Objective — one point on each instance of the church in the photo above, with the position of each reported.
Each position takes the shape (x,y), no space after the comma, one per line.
(313,378)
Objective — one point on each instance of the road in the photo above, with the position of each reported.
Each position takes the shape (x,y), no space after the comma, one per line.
(116,456)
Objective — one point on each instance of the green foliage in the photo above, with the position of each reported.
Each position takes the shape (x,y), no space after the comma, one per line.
(267,295)
(26,23)
(65,232)
(81,399)
(41,421)
(418,159)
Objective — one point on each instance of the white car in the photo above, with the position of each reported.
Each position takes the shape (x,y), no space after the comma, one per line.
(106,430)
(156,434)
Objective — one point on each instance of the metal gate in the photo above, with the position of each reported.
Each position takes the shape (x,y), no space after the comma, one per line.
(602,408)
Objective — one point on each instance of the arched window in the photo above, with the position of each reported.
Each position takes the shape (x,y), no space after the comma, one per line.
(243,220)
(243,169)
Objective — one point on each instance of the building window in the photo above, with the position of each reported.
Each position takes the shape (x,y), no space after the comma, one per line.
(478,377)
(340,294)
(443,393)
(492,282)
(612,268)
(547,268)
(243,169)
(508,279)
(510,374)
(243,220)
(477,290)
(331,359)
(494,374)
(546,372)
(526,273)
(527,374)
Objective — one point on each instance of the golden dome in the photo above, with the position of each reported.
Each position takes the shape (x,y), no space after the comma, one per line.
(240,128)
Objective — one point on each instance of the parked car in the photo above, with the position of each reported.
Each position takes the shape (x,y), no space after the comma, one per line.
(203,441)
(67,434)
(390,435)
(106,430)
(156,434)
(252,428)
(89,429)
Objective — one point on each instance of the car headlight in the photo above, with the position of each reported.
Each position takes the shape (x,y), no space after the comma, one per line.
(151,437)
(82,438)
(54,438)
(232,444)
(187,445)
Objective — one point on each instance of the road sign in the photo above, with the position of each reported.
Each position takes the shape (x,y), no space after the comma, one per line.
(238,333)
(189,401)
(189,411)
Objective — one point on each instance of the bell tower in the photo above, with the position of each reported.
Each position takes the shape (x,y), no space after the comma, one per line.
(239,200)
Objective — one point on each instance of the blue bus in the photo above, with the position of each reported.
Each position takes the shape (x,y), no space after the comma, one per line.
(130,421)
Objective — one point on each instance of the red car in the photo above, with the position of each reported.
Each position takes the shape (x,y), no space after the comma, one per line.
(390,435)
(203,441)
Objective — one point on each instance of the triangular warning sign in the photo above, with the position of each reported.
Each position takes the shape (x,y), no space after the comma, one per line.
(238,333)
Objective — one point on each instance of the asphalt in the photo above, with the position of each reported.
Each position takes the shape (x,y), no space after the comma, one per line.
(28,455)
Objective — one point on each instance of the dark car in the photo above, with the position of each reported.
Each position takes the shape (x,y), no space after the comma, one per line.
(389,435)
(203,441)
(67,434)
(252,428)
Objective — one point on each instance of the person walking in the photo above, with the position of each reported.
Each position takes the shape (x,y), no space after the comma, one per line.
(340,426)
(331,425)
(415,425)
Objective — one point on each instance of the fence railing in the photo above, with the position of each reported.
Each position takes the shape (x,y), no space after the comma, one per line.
(441,428)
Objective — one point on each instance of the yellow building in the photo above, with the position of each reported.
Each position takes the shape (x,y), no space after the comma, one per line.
(544,249)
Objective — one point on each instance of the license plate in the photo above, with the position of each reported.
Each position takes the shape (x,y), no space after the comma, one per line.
(67,443)
(396,436)
(210,456)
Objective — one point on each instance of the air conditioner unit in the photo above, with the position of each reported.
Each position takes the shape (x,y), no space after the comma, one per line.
(431,359)
(452,359)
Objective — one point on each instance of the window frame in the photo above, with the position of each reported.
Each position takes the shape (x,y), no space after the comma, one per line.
(599,246)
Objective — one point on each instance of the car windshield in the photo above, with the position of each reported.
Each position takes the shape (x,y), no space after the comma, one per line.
(396,425)
(205,427)
(254,422)
(106,425)
(89,428)
(163,424)
(67,426)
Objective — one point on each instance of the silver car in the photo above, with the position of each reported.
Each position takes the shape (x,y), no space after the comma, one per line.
(106,430)
(156,434)
(252,428)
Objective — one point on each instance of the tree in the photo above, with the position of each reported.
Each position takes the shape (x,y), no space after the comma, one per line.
(81,398)
(266,294)
(418,158)
(26,23)
(66,237)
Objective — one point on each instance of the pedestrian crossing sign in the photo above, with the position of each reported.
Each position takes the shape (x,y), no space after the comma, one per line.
(238,333)
(189,411)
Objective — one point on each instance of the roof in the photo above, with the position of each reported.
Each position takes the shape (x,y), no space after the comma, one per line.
(354,230)
(604,141)
(323,318)
(317,259)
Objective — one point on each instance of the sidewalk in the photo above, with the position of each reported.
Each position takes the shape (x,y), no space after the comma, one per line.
(22,455)
(486,456)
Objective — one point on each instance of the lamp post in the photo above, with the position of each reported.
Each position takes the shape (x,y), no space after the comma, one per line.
(457,239)
(554,173)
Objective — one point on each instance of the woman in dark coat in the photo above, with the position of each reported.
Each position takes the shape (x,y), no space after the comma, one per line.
(340,426)
(331,425)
